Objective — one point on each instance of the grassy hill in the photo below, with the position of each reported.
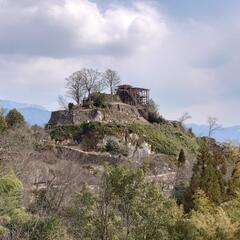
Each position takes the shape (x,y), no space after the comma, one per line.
(167,138)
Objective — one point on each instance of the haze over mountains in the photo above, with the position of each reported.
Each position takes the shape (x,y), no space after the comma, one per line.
(34,114)
(221,135)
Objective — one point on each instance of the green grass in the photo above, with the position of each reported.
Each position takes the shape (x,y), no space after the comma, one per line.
(75,132)
(164,138)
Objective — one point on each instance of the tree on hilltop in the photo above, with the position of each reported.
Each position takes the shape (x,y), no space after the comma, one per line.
(15,118)
(184,117)
(112,79)
(84,82)
(212,125)
(92,81)
(75,86)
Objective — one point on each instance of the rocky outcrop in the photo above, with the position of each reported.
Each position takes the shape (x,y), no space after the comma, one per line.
(117,112)
(60,118)
(162,168)
(75,116)
(82,157)
(132,150)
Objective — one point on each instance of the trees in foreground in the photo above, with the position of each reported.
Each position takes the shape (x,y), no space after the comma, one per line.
(127,206)
(124,206)
(16,223)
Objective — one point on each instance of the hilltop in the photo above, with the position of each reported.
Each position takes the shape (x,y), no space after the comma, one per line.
(122,131)
(38,115)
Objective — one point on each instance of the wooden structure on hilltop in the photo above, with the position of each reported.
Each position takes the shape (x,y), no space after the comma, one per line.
(132,95)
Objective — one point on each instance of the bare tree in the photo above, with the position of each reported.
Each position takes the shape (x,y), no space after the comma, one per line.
(212,125)
(76,86)
(112,79)
(55,189)
(62,102)
(92,80)
(184,117)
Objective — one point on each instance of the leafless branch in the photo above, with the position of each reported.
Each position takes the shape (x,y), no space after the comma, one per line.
(213,125)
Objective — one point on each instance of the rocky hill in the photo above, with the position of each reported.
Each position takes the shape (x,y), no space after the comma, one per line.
(93,158)
(119,134)
(87,138)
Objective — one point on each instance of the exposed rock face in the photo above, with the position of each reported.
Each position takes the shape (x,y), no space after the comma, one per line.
(69,162)
(137,151)
(124,108)
(83,115)
(82,157)
(75,116)
(161,169)
(60,118)
(133,150)
(141,152)
(119,112)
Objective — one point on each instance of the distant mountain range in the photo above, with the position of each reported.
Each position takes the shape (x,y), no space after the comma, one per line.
(34,114)
(221,135)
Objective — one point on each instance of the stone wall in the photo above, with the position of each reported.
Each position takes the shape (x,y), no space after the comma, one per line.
(114,112)
(74,117)
(60,118)
(82,157)
(125,108)
(161,167)
(83,115)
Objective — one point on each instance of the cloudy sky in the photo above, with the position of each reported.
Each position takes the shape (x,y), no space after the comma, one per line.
(187,52)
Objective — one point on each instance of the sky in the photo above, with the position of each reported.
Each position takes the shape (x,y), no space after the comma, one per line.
(186,52)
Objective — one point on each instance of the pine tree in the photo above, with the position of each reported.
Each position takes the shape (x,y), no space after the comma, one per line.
(207,177)
(10,193)
(181,158)
(14,118)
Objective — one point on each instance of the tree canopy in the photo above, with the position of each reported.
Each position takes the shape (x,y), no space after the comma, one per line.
(15,118)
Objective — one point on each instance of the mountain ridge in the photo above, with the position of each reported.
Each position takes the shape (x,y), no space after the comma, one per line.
(9,104)
(221,135)
(33,113)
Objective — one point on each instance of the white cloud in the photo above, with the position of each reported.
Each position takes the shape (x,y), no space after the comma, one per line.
(188,65)
(75,27)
